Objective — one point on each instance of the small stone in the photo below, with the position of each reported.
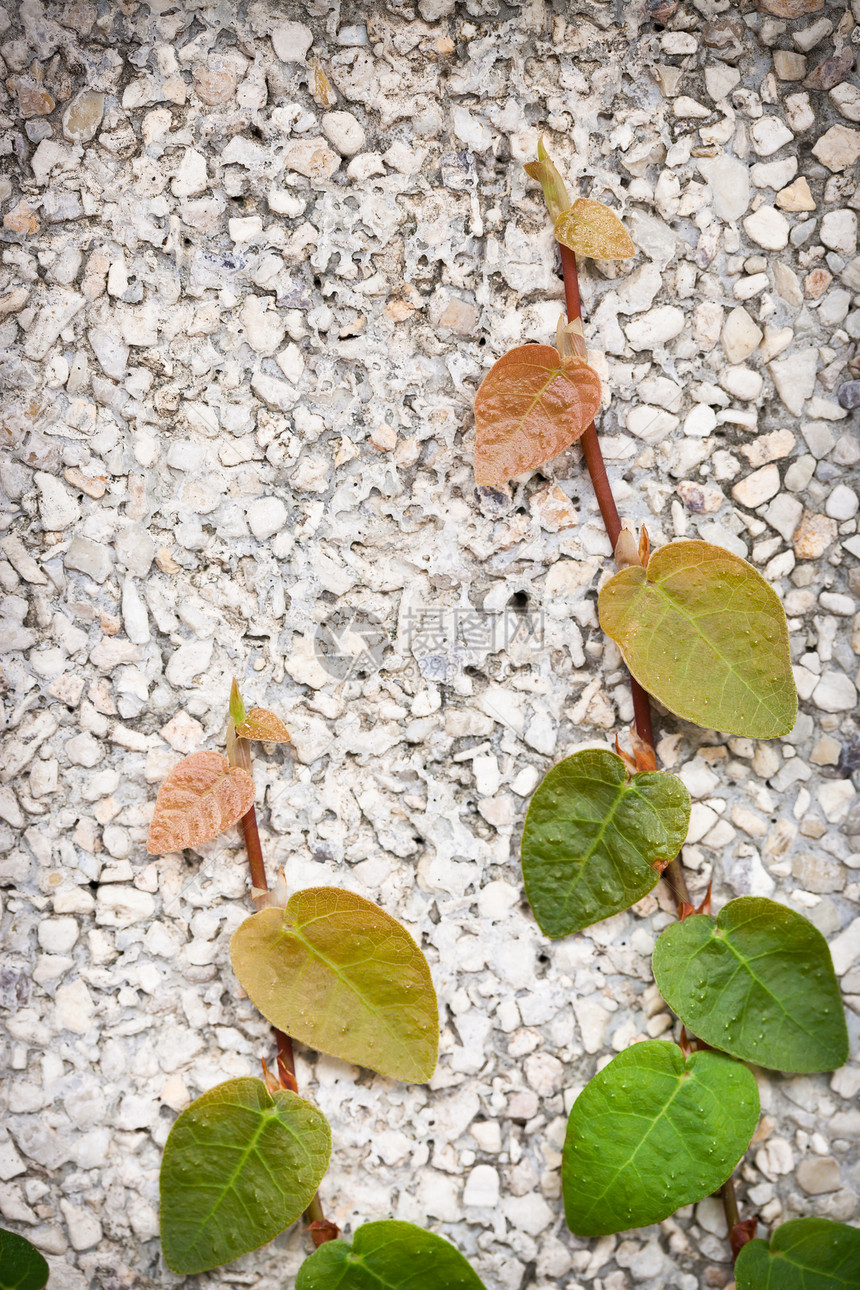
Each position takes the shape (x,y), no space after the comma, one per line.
(742,382)
(741,335)
(21,219)
(311,157)
(774,174)
(835,692)
(816,283)
(190,177)
(794,378)
(87,556)
(553,510)
(848,395)
(842,504)
(838,148)
(768,227)
(799,113)
(344,132)
(832,71)
(838,231)
(213,85)
(73,1007)
(796,197)
(291,41)
(482,1187)
(720,80)
(729,182)
(818,1175)
(770,447)
(384,438)
(790,8)
(266,517)
(818,874)
(264,327)
(807,38)
(83,1227)
(758,487)
(769,134)
(110,350)
(188,662)
(33,99)
(846,97)
(701,499)
(814,535)
(57,507)
(83,116)
(788,65)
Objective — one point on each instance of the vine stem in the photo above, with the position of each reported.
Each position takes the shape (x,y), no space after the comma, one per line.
(239,754)
(673,874)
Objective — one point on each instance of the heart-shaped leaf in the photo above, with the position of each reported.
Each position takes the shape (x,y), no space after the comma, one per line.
(702,631)
(396,1256)
(592,229)
(804,1254)
(260,723)
(337,973)
(756,982)
(530,407)
(596,840)
(651,1132)
(22,1267)
(240,1164)
(201,797)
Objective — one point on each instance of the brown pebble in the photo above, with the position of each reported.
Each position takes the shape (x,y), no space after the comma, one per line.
(816,283)
(33,98)
(790,8)
(212,85)
(92,487)
(832,72)
(813,536)
(21,219)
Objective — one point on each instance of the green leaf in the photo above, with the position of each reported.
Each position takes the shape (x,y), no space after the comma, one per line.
(240,1165)
(336,972)
(21,1265)
(595,840)
(554,191)
(702,631)
(805,1254)
(388,1256)
(756,982)
(652,1132)
(237,706)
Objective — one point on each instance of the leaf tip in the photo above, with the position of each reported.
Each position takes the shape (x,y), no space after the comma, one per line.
(237,707)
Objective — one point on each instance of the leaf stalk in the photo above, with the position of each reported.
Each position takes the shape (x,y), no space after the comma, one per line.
(239,754)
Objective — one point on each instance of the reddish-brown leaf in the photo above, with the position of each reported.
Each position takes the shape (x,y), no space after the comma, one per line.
(200,798)
(260,723)
(530,407)
(592,229)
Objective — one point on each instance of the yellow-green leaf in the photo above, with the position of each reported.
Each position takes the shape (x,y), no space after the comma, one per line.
(530,407)
(554,191)
(260,723)
(589,228)
(702,631)
(336,972)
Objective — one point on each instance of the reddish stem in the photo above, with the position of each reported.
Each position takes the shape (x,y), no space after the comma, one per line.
(238,754)
(739,1232)
(673,873)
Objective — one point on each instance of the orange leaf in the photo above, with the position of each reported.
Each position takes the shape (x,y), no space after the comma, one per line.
(260,723)
(592,229)
(530,407)
(200,798)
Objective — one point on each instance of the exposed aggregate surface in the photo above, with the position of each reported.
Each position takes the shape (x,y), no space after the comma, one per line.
(255,260)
